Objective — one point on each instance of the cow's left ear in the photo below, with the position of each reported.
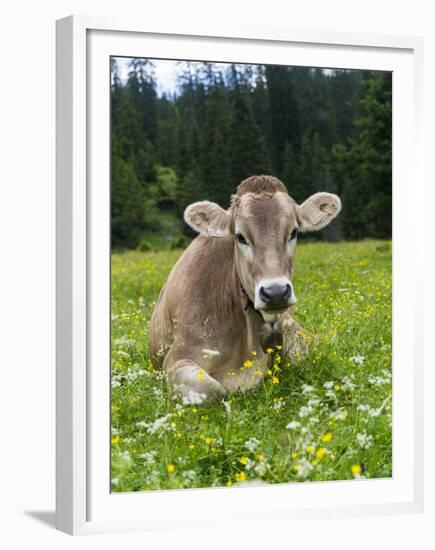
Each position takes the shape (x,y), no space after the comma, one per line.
(208,218)
(317,211)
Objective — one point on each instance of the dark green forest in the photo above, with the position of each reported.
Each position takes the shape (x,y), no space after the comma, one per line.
(316,130)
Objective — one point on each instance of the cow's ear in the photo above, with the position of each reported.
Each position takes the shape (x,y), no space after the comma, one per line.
(208,219)
(317,211)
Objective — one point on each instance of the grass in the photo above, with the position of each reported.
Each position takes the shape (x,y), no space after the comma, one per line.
(327,418)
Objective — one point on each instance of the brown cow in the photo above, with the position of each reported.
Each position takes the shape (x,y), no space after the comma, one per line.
(230,296)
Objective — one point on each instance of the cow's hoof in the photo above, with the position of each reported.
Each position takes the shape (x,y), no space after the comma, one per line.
(195,385)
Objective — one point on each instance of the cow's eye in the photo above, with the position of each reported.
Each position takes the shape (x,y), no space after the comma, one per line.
(294,233)
(241,239)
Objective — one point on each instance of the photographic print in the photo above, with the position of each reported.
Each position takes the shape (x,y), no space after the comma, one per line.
(251,274)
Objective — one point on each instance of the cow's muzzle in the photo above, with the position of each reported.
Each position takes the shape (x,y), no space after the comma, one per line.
(274,295)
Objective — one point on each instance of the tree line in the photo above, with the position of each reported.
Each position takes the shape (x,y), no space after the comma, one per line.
(316,130)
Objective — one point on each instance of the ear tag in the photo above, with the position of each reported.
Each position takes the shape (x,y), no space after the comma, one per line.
(315,215)
(214,232)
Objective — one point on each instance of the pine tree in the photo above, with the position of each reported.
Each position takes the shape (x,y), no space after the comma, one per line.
(363,169)
(284,123)
(215,154)
(248,151)
(127,204)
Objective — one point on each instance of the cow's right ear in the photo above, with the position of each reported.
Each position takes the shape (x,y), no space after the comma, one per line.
(208,218)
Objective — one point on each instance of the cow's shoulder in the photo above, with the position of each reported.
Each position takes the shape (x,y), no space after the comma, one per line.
(204,278)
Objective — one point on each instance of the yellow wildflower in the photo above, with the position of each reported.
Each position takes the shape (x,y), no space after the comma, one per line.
(269,372)
(241,476)
(208,440)
(115,440)
(229,483)
(260,457)
(244,460)
(248,364)
(194,410)
(201,374)
(310,449)
(254,353)
(275,380)
(326,438)
(337,387)
(314,462)
(191,446)
(356,469)
(320,453)
(294,455)
(278,348)
(269,350)
(170,468)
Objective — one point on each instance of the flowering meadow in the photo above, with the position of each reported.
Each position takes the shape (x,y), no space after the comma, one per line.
(325,417)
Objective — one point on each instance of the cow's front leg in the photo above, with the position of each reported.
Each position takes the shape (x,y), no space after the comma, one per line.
(296,340)
(192,382)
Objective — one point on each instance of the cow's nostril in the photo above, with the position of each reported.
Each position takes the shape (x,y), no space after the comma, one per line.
(275,295)
(264,295)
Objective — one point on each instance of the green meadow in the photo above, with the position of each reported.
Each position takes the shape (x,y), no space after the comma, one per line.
(325,417)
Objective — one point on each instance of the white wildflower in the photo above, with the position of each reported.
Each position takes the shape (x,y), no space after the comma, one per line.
(249,464)
(149,457)
(305,468)
(227,407)
(193,398)
(339,414)
(328,385)
(378,380)
(153,427)
(158,392)
(347,383)
(124,341)
(189,476)
(306,388)
(261,468)
(331,394)
(293,425)
(305,411)
(365,441)
(357,359)
(126,456)
(252,444)
(116,381)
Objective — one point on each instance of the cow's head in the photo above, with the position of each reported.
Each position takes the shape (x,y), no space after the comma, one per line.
(264,222)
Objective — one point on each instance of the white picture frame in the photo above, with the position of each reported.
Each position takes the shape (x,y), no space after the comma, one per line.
(83,500)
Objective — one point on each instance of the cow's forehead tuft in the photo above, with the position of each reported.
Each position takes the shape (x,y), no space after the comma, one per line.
(261,184)
(265,209)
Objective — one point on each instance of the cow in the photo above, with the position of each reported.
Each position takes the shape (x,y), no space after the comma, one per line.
(229,300)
